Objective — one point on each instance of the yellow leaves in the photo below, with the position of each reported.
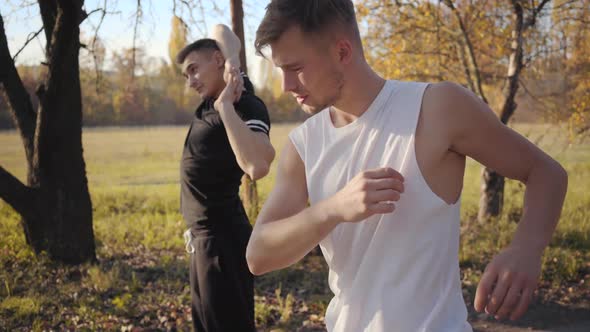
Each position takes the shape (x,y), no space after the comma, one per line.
(121,302)
(271,78)
(178,39)
(575,36)
(578,118)
(422,40)
(361,10)
(118,102)
(574,122)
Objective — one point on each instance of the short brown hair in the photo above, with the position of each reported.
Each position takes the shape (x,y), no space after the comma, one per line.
(205,44)
(312,16)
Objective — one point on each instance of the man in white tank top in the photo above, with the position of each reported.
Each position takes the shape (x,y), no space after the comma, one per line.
(381,164)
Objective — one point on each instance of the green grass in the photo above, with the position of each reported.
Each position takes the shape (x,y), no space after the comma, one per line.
(142,275)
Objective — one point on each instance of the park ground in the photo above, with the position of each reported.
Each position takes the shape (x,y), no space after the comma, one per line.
(141,280)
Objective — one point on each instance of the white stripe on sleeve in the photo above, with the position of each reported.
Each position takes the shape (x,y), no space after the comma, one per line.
(258,123)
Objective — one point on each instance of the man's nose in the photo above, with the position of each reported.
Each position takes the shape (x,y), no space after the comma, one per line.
(289,82)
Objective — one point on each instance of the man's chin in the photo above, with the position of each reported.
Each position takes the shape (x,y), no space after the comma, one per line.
(311,110)
(203,94)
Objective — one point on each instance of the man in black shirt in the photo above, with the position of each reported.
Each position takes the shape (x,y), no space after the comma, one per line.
(228,137)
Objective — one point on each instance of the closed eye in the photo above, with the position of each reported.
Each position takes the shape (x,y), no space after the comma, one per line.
(191,69)
(292,67)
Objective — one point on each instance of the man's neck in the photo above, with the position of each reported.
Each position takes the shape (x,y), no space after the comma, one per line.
(358,93)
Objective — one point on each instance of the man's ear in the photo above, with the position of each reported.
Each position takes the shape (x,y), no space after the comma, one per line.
(344,51)
(219,59)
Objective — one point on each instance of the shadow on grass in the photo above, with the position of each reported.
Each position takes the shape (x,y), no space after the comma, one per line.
(540,316)
(141,289)
(294,299)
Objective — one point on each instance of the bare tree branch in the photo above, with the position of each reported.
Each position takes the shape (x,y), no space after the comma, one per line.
(31,36)
(15,193)
(470,50)
(191,7)
(530,58)
(465,65)
(138,16)
(438,25)
(532,19)
(96,11)
(93,47)
(530,93)
(21,107)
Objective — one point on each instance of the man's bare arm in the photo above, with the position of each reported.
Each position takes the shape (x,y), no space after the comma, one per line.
(230,46)
(473,130)
(253,150)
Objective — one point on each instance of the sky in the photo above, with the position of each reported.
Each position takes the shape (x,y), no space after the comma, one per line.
(117,28)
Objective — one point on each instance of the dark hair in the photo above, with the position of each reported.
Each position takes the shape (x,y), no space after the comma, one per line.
(205,44)
(312,16)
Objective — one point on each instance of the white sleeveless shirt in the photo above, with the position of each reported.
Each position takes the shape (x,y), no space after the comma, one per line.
(392,272)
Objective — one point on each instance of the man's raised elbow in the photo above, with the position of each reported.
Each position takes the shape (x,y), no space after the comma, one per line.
(254,263)
(255,270)
(256,172)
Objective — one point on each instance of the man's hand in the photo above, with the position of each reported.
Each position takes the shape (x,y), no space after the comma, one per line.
(229,66)
(370,192)
(232,91)
(508,283)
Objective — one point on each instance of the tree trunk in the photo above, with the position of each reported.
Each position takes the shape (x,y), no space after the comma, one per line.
(55,205)
(491,200)
(492,189)
(249,189)
(237,25)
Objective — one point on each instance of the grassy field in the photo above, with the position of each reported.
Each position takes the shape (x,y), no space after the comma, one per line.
(141,279)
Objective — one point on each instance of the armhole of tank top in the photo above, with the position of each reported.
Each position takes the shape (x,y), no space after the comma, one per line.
(414,153)
(427,186)
(420,96)
(415,121)
(297,138)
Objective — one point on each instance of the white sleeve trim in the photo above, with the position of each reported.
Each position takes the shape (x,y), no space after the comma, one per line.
(257,123)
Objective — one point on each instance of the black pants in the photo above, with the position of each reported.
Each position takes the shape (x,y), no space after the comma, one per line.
(222,287)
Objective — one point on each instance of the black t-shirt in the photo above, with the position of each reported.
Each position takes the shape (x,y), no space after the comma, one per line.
(210,176)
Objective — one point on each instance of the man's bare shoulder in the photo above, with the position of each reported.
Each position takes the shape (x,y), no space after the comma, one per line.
(450,105)
(441,105)
(444,96)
